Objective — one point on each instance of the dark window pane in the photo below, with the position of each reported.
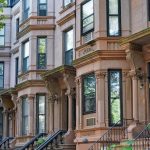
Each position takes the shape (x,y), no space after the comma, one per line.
(68,57)
(42,1)
(1,68)
(89,93)
(115,96)
(1,81)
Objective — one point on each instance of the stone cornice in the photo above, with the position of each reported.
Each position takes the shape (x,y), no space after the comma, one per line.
(100,55)
(66,18)
(35,27)
(30,83)
(8,91)
(67,7)
(59,70)
(135,36)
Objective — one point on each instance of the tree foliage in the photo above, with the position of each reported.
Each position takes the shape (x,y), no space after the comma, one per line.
(3,3)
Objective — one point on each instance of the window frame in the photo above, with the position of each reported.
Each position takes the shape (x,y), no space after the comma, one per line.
(83,98)
(1,62)
(115,15)
(81,14)
(16,69)
(37,64)
(3,36)
(24,58)
(17,26)
(109,97)
(38,8)
(65,44)
(37,111)
(25,98)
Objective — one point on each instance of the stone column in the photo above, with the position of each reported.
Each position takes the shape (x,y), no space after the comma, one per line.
(135,96)
(5,123)
(78,104)
(51,121)
(31,114)
(100,97)
(18,116)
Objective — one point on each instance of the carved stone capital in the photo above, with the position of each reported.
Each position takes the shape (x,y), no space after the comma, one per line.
(100,74)
(53,98)
(78,80)
(31,96)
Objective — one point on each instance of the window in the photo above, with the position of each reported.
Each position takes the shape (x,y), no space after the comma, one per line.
(113,18)
(42,7)
(17,69)
(26,56)
(66,2)
(1,75)
(2,36)
(41,62)
(17,26)
(148,9)
(89,94)
(87,17)
(115,96)
(25,116)
(41,116)
(26,8)
(68,37)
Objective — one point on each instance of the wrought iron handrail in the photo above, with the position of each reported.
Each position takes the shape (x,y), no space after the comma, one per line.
(5,142)
(112,136)
(52,139)
(30,144)
(142,140)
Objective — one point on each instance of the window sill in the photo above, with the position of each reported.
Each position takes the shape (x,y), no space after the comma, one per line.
(65,8)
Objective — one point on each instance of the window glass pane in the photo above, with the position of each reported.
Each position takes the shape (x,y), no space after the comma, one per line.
(113,25)
(41,123)
(87,9)
(41,45)
(89,90)
(1,68)
(25,107)
(2,31)
(41,105)
(66,2)
(115,97)
(1,81)
(113,6)
(42,7)
(26,4)
(2,42)
(42,1)
(69,40)
(68,57)
(26,49)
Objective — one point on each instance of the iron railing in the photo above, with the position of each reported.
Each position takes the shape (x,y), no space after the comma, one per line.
(5,144)
(112,136)
(142,140)
(31,144)
(52,140)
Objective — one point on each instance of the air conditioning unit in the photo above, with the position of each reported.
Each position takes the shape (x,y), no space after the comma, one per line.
(88,37)
(90,122)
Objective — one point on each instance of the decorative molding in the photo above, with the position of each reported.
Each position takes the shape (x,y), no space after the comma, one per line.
(67,7)
(66,18)
(100,74)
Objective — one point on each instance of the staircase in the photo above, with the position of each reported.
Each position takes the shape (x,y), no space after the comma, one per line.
(54,141)
(5,143)
(111,138)
(31,144)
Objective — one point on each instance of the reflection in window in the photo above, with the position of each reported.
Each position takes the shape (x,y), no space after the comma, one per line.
(1,75)
(87,17)
(42,8)
(41,113)
(2,36)
(115,99)
(66,2)
(26,7)
(25,116)
(89,93)
(113,17)
(68,44)
(26,56)
(41,53)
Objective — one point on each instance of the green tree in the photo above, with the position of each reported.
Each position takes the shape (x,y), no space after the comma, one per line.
(3,3)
